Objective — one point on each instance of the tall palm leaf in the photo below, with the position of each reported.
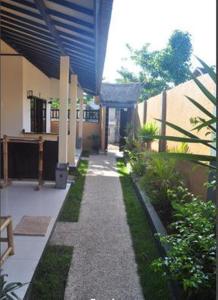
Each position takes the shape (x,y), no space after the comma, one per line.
(209,120)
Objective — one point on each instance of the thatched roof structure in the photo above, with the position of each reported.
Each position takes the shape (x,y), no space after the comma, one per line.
(119,95)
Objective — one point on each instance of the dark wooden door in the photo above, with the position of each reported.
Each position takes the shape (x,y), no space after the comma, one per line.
(38,115)
(124,120)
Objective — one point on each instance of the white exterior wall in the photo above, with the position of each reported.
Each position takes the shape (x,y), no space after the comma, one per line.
(54,88)
(11,95)
(5,48)
(18,76)
(39,83)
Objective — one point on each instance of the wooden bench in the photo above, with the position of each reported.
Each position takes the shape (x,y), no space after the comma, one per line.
(6,222)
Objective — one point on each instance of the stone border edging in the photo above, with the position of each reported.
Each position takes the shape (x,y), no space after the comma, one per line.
(156,223)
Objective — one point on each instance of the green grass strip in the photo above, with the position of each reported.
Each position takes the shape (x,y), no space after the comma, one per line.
(153,284)
(71,207)
(51,274)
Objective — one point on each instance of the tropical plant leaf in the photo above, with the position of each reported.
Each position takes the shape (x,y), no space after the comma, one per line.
(208,69)
(201,123)
(188,156)
(206,165)
(15,296)
(183,131)
(147,131)
(177,128)
(205,91)
(11,286)
(207,123)
(181,139)
(209,126)
(7,289)
(181,156)
(199,106)
(9,297)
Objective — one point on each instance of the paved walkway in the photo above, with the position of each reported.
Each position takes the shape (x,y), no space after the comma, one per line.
(103,265)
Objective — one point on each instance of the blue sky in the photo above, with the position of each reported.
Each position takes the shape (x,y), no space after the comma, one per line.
(137,22)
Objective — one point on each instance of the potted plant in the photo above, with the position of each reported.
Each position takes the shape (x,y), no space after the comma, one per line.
(147,133)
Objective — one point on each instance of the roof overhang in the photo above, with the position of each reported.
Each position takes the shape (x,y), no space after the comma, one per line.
(43,30)
(120,95)
(115,104)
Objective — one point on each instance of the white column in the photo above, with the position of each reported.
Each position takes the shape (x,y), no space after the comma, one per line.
(103,124)
(64,95)
(72,136)
(80,132)
(48,117)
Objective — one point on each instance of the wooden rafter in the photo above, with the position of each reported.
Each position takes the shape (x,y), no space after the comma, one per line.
(41,7)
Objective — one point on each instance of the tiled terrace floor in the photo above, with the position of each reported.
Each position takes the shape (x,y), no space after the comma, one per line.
(21,199)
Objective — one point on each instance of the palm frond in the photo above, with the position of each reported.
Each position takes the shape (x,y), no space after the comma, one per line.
(182,139)
(205,91)
(208,69)
(199,106)
(207,123)
(188,156)
(185,132)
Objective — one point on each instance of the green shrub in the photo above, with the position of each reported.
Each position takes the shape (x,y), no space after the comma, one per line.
(181,148)
(148,131)
(138,167)
(132,150)
(191,258)
(138,161)
(180,193)
(132,144)
(160,175)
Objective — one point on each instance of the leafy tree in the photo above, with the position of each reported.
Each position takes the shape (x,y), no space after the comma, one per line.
(162,69)
(55,103)
(86,99)
(127,76)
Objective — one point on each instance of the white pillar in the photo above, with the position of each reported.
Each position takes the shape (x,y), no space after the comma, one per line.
(72,136)
(63,123)
(48,117)
(103,125)
(80,132)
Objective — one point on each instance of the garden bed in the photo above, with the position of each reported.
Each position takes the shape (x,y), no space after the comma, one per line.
(157,228)
(154,219)
(187,243)
(154,286)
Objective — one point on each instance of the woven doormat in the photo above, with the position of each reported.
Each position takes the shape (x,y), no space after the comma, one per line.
(32,225)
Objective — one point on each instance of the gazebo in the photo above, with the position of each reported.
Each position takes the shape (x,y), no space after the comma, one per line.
(118,102)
